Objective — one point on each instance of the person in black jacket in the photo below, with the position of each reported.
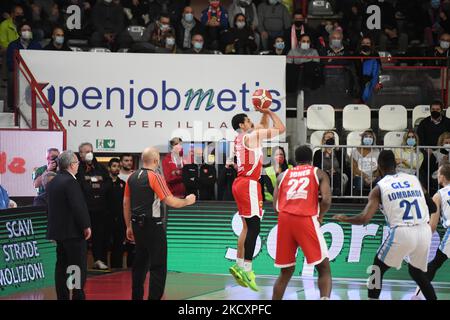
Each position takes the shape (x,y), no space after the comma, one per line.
(92,177)
(186,28)
(190,175)
(69,225)
(225,181)
(58,42)
(240,39)
(207,180)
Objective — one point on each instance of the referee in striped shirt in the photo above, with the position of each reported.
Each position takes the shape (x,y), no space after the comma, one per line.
(144,191)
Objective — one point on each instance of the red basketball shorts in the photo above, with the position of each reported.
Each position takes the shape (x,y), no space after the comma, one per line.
(299,231)
(248,197)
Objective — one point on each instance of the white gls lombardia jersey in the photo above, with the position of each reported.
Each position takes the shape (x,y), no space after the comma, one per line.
(402,200)
(444,193)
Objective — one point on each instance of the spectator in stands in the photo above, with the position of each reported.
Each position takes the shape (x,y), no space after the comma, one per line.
(109,27)
(240,39)
(279,47)
(172,166)
(248,9)
(332,161)
(58,42)
(274,20)
(352,24)
(115,188)
(156,32)
(407,158)
(25,42)
(440,158)
(136,11)
(186,28)
(336,48)
(8,28)
(303,50)
(364,164)
(270,174)
(429,131)
(198,45)
(226,179)
(172,8)
(442,50)
(126,166)
(367,70)
(207,179)
(190,174)
(215,20)
(41,200)
(51,166)
(436,22)
(298,28)
(93,177)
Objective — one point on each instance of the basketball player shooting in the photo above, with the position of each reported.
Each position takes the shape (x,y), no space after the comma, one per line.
(247,189)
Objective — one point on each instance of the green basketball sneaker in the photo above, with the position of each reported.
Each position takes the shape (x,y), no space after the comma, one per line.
(236,272)
(249,279)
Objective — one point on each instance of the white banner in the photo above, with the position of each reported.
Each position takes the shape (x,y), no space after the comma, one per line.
(126,102)
(20,153)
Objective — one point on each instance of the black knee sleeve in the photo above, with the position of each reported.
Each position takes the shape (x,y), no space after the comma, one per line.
(435,264)
(374,286)
(253,228)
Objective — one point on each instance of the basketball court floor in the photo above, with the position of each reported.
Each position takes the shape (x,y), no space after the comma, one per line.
(188,286)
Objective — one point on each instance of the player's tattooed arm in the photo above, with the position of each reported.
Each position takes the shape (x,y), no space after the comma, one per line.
(369,211)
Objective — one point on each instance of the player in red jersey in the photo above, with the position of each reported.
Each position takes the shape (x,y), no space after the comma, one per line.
(247,189)
(296,199)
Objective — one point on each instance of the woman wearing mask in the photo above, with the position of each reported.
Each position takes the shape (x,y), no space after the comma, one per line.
(364,164)
(303,50)
(269,178)
(172,166)
(240,39)
(279,47)
(368,70)
(407,158)
(332,162)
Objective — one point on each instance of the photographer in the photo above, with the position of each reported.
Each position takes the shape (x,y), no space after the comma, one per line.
(52,165)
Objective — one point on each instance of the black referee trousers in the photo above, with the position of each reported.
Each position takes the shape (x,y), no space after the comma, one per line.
(151,255)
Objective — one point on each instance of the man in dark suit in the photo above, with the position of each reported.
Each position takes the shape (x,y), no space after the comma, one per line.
(70,226)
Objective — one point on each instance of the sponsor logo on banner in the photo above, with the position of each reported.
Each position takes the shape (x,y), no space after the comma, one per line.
(156,97)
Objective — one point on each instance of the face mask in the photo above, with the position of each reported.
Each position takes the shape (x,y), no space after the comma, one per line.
(272,2)
(411,142)
(279,45)
(435,114)
(367,141)
(170,41)
(164,27)
(330,142)
(240,24)
(108,1)
(19,19)
(435,4)
(298,24)
(365,48)
(198,45)
(304,46)
(27,35)
(89,157)
(329,28)
(59,40)
(188,17)
(444,44)
(336,43)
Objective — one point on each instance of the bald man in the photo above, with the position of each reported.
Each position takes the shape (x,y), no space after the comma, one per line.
(144,191)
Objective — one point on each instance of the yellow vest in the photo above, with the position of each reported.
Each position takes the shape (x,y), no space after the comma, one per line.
(270,171)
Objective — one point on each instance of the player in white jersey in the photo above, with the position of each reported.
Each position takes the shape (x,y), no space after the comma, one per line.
(442,201)
(406,210)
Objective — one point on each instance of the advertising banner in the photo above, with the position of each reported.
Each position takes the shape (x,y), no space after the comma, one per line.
(126,102)
(203,239)
(20,153)
(27,259)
